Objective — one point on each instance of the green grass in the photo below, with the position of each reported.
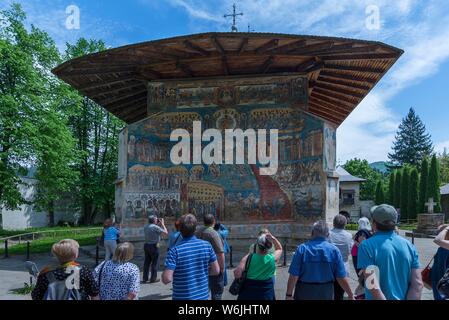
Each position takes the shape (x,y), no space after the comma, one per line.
(27,289)
(9,233)
(45,243)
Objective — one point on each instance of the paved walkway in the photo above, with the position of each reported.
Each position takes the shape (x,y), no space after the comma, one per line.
(13,275)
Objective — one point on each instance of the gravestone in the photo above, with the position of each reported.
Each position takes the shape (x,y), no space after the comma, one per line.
(428,223)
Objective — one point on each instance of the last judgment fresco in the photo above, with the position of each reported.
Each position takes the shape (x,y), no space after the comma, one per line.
(152,184)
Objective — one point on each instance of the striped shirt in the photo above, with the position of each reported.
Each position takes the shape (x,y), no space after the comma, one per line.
(190,260)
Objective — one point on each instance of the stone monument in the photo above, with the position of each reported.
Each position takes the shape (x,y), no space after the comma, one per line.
(428,223)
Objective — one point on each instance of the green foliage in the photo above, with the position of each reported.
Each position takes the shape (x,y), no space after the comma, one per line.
(433,183)
(44,123)
(25,58)
(361,168)
(443,159)
(96,134)
(380,193)
(27,289)
(397,189)
(405,178)
(413,194)
(412,144)
(391,185)
(423,185)
(43,244)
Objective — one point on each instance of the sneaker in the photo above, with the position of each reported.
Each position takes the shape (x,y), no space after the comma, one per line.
(154,281)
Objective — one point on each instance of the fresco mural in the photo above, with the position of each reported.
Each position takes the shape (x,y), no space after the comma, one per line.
(233,193)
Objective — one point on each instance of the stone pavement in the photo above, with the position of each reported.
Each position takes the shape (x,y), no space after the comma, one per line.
(13,274)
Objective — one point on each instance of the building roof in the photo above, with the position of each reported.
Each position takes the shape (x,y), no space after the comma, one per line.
(341,71)
(444,189)
(345,176)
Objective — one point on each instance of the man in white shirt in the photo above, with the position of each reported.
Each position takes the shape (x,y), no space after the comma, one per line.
(342,239)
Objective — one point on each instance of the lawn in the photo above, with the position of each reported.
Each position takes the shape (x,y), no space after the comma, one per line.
(44,242)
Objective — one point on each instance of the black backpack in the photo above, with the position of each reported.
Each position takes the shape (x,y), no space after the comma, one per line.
(60,289)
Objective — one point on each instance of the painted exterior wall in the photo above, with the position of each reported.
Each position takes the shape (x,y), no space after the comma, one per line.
(302,191)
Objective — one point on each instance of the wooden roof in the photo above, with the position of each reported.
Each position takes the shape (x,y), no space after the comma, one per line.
(341,71)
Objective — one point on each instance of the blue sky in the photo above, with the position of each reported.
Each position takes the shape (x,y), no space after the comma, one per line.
(418,80)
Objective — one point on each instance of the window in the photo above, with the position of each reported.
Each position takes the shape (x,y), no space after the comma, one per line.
(348,197)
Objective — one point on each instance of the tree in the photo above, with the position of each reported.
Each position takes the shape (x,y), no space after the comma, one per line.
(404,193)
(380,194)
(397,189)
(362,169)
(96,134)
(433,183)
(391,184)
(423,185)
(412,209)
(25,60)
(443,159)
(412,143)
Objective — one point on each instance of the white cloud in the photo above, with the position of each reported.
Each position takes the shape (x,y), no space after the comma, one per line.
(420,28)
(440,146)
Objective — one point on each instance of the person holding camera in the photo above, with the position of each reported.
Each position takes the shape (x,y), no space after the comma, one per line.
(153,231)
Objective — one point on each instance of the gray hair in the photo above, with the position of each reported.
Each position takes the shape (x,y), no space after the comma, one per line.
(152,219)
(340,221)
(320,229)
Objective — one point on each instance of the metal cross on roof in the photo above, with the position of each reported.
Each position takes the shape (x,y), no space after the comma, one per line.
(233,15)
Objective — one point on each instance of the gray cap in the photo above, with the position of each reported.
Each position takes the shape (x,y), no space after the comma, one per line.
(384,213)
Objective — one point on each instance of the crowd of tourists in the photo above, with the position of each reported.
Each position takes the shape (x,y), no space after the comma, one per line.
(385,263)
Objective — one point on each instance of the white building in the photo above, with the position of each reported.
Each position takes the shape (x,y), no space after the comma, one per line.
(350,204)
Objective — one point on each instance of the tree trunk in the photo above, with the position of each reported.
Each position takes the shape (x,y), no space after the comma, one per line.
(51,213)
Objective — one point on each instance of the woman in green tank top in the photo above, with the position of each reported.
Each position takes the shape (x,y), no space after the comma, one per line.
(259,283)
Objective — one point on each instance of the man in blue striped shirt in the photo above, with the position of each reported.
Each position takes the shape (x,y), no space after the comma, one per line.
(189,264)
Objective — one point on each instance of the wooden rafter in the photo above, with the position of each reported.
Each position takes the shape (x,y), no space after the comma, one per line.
(115,107)
(330,104)
(267,46)
(130,96)
(353,68)
(368,56)
(288,47)
(217,45)
(224,61)
(198,49)
(96,85)
(96,71)
(331,110)
(146,71)
(115,90)
(243,45)
(346,76)
(338,90)
(343,83)
(184,68)
(325,98)
(325,115)
(303,66)
(267,64)
(335,95)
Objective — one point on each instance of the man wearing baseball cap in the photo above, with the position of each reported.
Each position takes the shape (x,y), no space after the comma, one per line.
(389,261)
